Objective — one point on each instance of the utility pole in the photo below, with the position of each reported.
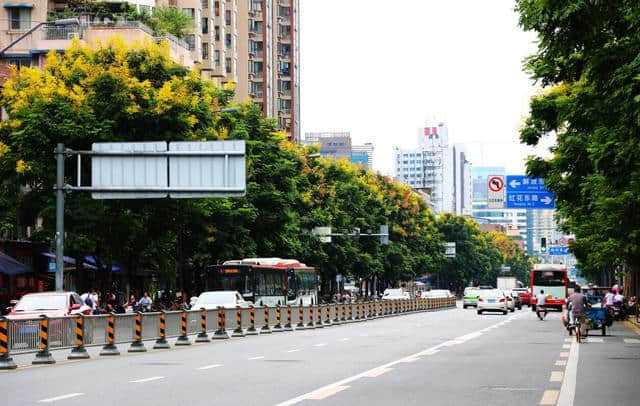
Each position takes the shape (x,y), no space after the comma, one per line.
(59,217)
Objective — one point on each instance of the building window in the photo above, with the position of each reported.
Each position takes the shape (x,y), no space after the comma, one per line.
(255,26)
(227,17)
(256,6)
(284,68)
(19,19)
(228,65)
(205,25)
(21,62)
(216,7)
(284,50)
(191,41)
(284,86)
(256,89)
(204,3)
(191,12)
(217,33)
(205,51)
(216,59)
(284,105)
(227,40)
(284,11)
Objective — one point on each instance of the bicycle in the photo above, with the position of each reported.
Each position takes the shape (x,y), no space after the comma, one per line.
(577,328)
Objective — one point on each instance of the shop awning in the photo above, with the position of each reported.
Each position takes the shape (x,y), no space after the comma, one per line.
(90,259)
(10,266)
(68,260)
(18,5)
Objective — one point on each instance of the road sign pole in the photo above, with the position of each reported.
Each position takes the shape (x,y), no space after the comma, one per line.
(59,217)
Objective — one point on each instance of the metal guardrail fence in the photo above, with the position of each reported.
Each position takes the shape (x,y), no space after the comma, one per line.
(24,335)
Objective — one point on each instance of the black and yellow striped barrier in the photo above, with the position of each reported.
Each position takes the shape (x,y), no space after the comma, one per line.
(44,356)
(251,331)
(202,336)
(110,347)
(161,342)
(183,339)
(319,323)
(137,345)
(300,325)
(265,326)
(277,328)
(288,326)
(78,351)
(238,331)
(221,332)
(327,320)
(312,322)
(336,313)
(6,362)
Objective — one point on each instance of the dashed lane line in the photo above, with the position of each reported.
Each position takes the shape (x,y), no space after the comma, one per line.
(377,372)
(568,389)
(254,358)
(595,340)
(153,378)
(326,392)
(294,350)
(631,341)
(209,367)
(556,376)
(320,345)
(564,354)
(61,397)
(549,397)
(566,346)
(561,363)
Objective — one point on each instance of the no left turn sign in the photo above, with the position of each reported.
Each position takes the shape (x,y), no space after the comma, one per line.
(496,183)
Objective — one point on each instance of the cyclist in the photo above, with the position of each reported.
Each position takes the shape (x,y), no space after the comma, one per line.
(541,301)
(576,303)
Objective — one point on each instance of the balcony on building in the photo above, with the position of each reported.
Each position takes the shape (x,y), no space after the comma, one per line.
(49,36)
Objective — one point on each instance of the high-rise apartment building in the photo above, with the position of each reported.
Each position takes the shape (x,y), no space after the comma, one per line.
(441,169)
(363,155)
(252,43)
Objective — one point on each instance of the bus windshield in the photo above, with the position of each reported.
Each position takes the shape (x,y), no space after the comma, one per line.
(548,278)
(238,281)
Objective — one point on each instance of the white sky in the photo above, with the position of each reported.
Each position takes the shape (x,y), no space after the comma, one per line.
(381,69)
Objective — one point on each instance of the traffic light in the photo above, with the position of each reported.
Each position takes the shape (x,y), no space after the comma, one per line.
(543,244)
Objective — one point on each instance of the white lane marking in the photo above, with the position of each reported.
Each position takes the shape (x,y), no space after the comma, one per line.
(153,378)
(549,397)
(568,389)
(209,367)
(319,395)
(564,354)
(377,372)
(338,386)
(429,352)
(409,360)
(596,339)
(344,339)
(561,362)
(258,357)
(294,350)
(566,346)
(320,345)
(62,397)
(568,340)
(556,376)
(631,341)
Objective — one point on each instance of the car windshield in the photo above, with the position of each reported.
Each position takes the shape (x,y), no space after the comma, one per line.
(216,298)
(41,302)
(548,278)
(471,291)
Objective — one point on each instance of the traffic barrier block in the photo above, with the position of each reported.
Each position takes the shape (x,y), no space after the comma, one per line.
(336,311)
(44,356)
(6,362)
(137,345)
(277,328)
(183,339)
(202,336)
(238,332)
(343,309)
(78,351)
(288,326)
(319,323)
(161,342)
(251,331)
(350,313)
(327,320)
(221,332)
(300,325)
(311,323)
(265,327)
(110,348)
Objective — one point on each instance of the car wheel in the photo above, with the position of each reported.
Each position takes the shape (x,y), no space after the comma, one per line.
(513,309)
(479,312)
(464,306)
(504,312)
(604,330)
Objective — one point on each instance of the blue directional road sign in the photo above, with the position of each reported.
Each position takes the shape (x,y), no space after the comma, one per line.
(557,250)
(524,192)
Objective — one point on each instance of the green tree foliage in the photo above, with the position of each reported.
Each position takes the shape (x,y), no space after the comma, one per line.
(588,60)
(170,20)
(120,93)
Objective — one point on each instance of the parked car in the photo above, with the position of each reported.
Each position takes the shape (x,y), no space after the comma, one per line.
(492,300)
(395,294)
(516,299)
(525,295)
(436,293)
(50,304)
(229,299)
(470,297)
(511,303)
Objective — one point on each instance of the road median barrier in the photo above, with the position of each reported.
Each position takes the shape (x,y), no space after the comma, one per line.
(79,351)
(6,362)
(137,345)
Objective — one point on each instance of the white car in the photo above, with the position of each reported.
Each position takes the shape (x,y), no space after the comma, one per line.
(492,300)
(436,293)
(229,299)
(395,294)
(511,303)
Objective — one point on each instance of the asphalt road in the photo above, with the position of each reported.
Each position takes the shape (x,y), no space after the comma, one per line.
(450,357)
